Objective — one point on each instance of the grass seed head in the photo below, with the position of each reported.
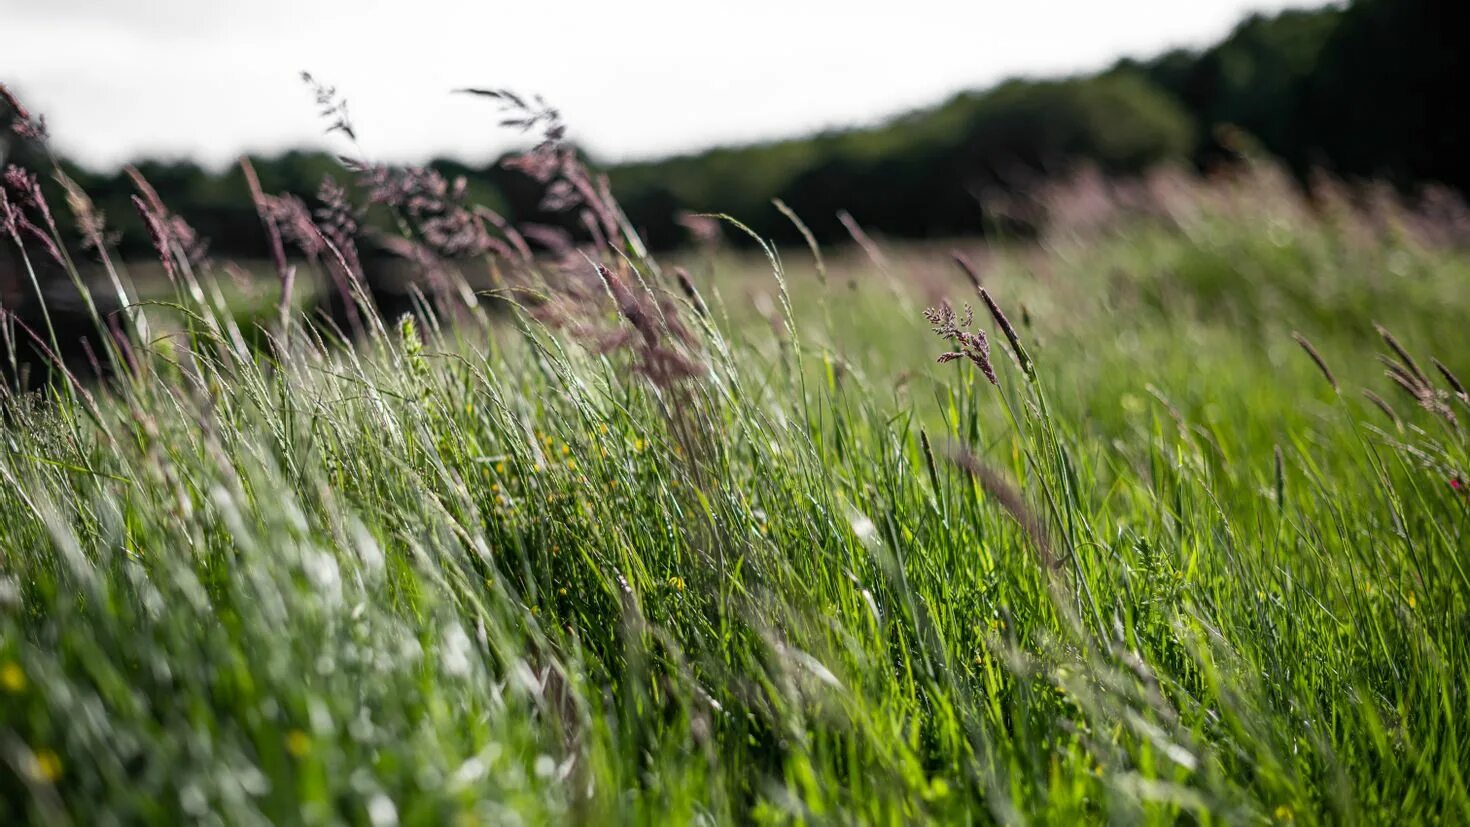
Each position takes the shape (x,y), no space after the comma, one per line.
(973,346)
(1023,359)
(23,125)
(1382,404)
(1403,353)
(1453,381)
(690,291)
(1316,357)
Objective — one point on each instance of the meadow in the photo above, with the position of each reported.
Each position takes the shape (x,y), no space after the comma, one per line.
(723,542)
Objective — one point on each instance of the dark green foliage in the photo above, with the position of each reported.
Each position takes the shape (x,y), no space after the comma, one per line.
(922,174)
(1388,96)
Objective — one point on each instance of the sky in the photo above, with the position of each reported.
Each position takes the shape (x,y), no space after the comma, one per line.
(124,79)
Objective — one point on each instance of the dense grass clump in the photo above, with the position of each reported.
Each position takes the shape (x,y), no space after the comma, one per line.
(613,550)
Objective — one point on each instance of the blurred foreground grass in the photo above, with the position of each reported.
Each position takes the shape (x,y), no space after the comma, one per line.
(501,575)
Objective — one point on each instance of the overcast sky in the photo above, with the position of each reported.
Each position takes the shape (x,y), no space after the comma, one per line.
(119,79)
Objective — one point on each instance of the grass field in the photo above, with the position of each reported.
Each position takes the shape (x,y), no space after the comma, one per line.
(607,559)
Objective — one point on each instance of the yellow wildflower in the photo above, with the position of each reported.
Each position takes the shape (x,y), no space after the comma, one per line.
(298,743)
(938,788)
(13,678)
(48,766)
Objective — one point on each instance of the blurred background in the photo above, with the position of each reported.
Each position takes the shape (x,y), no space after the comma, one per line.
(926,124)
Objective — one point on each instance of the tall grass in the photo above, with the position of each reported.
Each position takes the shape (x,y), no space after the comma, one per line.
(609,550)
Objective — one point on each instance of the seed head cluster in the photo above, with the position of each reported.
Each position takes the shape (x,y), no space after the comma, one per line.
(953,327)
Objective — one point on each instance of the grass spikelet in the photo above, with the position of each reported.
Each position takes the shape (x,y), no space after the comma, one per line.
(972,346)
(1403,353)
(1017,349)
(1382,404)
(1317,359)
(691,292)
(285,273)
(1453,381)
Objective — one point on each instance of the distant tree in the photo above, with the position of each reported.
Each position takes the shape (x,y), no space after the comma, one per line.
(921,174)
(1388,96)
(1255,80)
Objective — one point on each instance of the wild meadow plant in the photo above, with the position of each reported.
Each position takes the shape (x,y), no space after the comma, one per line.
(596,544)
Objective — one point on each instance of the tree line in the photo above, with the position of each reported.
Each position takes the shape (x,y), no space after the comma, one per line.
(1370,89)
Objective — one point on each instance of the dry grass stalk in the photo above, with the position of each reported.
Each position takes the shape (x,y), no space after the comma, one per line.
(690,291)
(24,125)
(1453,381)
(1010,499)
(284,271)
(20,192)
(1316,357)
(658,339)
(1414,381)
(971,273)
(1017,349)
(1382,405)
(1423,379)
